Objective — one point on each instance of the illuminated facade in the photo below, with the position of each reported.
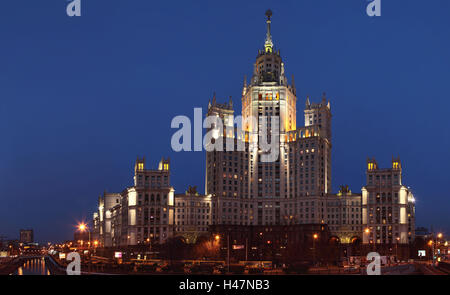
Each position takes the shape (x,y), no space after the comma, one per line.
(296,187)
(103,218)
(343,214)
(245,188)
(141,214)
(388,207)
(192,215)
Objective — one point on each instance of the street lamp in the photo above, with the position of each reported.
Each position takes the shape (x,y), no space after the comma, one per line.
(431,244)
(82,227)
(396,248)
(315,237)
(367,232)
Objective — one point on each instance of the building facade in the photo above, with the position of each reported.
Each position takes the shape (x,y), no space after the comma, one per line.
(387,206)
(26,236)
(141,214)
(344,215)
(192,215)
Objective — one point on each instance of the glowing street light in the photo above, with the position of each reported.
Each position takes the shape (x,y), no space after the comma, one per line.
(82,227)
(217,237)
(439,235)
(315,237)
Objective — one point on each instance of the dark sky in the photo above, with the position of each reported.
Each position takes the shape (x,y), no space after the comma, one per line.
(82,97)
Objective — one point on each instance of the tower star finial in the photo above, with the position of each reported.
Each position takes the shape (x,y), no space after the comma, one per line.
(268,45)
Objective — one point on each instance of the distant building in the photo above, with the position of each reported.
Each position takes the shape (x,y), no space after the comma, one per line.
(192,214)
(26,236)
(422,232)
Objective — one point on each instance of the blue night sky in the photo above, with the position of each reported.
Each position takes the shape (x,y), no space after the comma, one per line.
(82,97)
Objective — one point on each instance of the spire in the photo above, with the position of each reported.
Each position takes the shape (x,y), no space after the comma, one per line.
(230,103)
(307,102)
(268,45)
(244,87)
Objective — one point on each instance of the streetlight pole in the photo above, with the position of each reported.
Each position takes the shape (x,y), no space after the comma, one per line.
(246,249)
(396,249)
(438,237)
(315,236)
(432,253)
(83,227)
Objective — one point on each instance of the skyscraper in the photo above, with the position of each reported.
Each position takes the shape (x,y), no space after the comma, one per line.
(257,186)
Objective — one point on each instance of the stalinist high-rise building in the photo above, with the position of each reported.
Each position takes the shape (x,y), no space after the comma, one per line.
(246,187)
(263,173)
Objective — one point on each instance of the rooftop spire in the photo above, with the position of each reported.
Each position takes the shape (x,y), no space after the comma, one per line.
(268,45)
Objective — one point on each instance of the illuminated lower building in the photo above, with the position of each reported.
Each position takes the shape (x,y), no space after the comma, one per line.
(343,214)
(141,214)
(103,218)
(388,207)
(192,215)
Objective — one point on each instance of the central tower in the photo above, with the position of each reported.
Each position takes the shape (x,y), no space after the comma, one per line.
(287,183)
(268,96)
